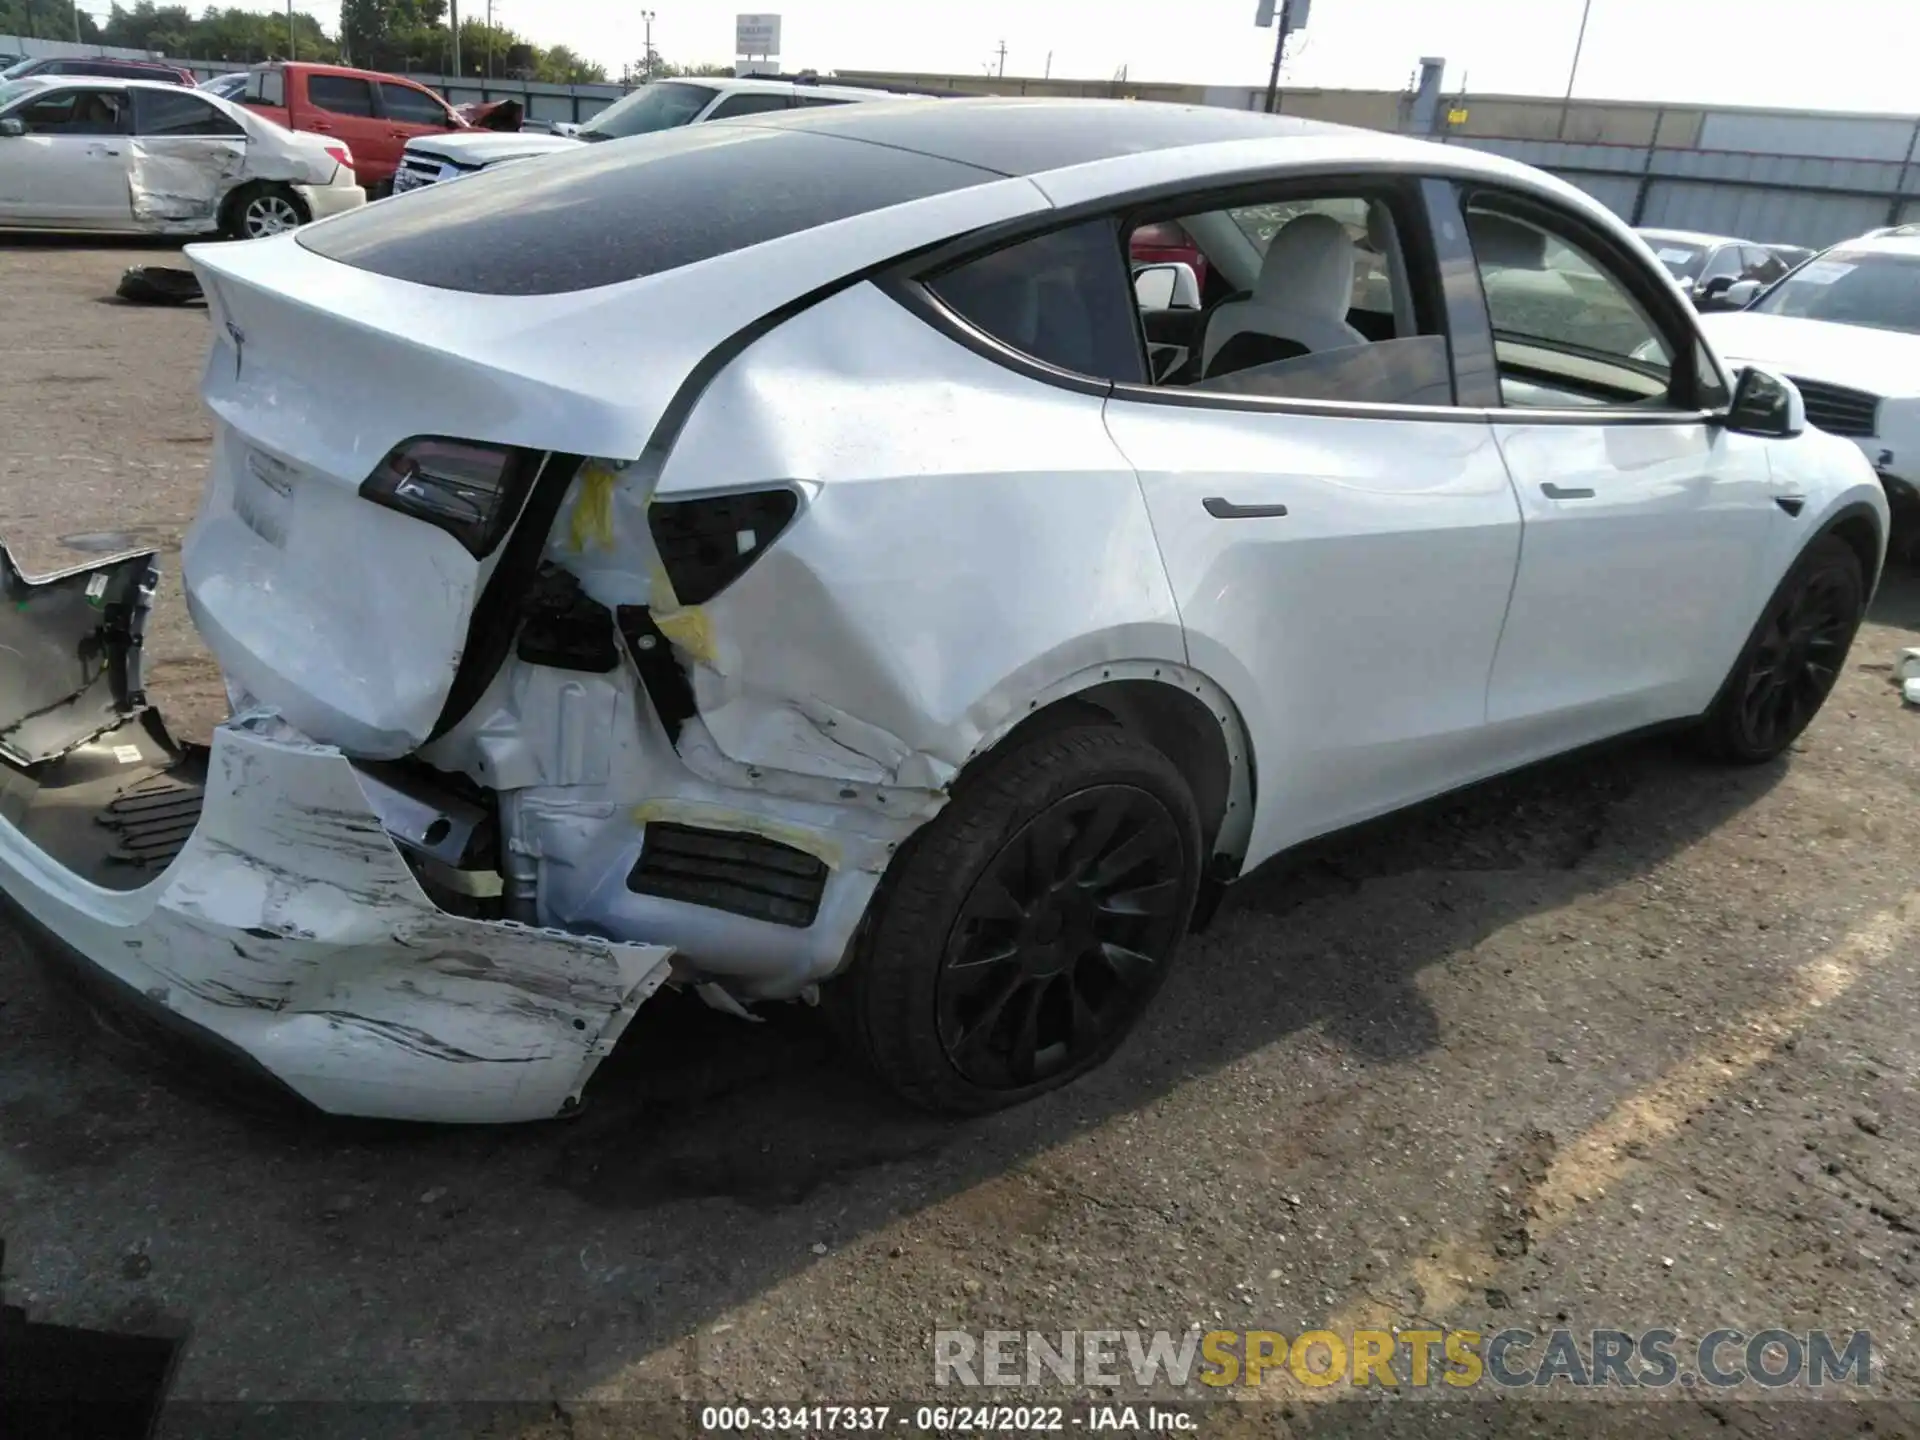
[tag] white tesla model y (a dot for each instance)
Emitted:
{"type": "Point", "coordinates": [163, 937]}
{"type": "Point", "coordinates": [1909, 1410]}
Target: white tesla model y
{"type": "Point", "coordinates": [804, 558]}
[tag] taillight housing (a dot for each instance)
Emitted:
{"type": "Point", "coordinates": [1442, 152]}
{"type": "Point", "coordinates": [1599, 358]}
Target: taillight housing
{"type": "Point", "coordinates": [705, 545]}
{"type": "Point", "coordinates": [342, 156]}
{"type": "Point", "coordinates": [471, 491]}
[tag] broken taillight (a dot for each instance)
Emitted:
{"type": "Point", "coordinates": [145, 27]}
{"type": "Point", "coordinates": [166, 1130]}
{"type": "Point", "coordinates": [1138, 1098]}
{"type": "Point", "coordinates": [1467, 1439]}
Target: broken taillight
{"type": "Point", "coordinates": [705, 545]}
{"type": "Point", "coordinates": [470, 491]}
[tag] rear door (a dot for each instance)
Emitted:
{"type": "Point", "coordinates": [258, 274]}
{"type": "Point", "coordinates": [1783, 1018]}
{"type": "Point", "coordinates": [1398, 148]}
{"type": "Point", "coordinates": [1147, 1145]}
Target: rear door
{"type": "Point", "coordinates": [1341, 536]}
{"type": "Point", "coordinates": [71, 167]}
{"type": "Point", "coordinates": [410, 111]}
{"type": "Point", "coordinates": [266, 92]}
{"type": "Point", "coordinates": [343, 106]}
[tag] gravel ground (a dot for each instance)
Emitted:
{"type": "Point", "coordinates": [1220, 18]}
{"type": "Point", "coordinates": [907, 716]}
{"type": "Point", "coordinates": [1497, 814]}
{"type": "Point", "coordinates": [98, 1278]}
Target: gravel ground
{"type": "Point", "coordinates": [1625, 1042]}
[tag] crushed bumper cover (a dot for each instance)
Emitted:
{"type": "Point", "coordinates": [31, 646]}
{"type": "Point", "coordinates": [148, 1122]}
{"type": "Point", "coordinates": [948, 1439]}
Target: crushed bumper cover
{"type": "Point", "coordinates": [290, 929]}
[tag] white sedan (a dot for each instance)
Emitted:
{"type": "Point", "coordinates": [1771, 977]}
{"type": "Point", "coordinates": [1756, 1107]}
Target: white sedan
{"type": "Point", "coordinates": [795, 559]}
{"type": "Point", "coordinates": [84, 153]}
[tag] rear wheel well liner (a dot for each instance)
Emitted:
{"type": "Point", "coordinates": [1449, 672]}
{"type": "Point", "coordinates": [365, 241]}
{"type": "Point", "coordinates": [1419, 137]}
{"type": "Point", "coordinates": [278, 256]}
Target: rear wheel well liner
{"type": "Point", "coordinates": [1182, 714]}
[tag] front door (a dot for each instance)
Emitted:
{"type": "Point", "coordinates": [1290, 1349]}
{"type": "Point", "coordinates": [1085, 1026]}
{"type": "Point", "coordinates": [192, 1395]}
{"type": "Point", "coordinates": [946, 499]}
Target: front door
{"type": "Point", "coordinates": [1644, 520]}
{"type": "Point", "coordinates": [70, 167]}
{"type": "Point", "coordinates": [409, 112]}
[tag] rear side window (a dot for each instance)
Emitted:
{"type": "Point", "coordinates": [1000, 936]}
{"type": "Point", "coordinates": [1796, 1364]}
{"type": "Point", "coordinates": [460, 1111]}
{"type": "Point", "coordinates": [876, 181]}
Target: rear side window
{"type": "Point", "coordinates": [607, 213]}
{"type": "Point", "coordinates": [156, 112]}
{"type": "Point", "coordinates": [342, 94]}
{"type": "Point", "coordinates": [806, 102]}
{"type": "Point", "coordinates": [1064, 298]}
{"type": "Point", "coordinates": [267, 87]}
{"type": "Point", "coordinates": [411, 106]}
{"type": "Point", "coordinates": [747, 105]}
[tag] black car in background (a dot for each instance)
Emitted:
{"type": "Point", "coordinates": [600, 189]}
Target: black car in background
{"type": "Point", "coordinates": [1708, 265]}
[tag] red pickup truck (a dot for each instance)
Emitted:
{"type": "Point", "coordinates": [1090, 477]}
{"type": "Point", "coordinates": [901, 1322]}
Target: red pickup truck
{"type": "Point", "coordinates": [374, 114]}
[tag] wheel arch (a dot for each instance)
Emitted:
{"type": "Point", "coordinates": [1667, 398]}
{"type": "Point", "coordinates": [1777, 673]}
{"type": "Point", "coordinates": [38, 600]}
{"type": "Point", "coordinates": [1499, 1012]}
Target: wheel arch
{"type": "Point", "coordinates": [1860, 526]}
{"type": "Point", "coordinates": [229, 213]}
{"type": "Point", "coordinates": [1182, 713]}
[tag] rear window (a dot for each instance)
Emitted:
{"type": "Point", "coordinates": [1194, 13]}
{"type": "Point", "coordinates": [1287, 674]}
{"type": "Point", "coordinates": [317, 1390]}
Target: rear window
{"type": "Point", "coordinates": [608, 213]}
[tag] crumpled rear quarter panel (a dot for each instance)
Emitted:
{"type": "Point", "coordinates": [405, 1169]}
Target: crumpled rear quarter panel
{"type": "Point", "coordinates": [970, 537]}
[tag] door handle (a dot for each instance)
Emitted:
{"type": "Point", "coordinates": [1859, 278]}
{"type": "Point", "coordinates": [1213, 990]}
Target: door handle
{"type": "Point", "coordinates": [1562, 492]}
{"type": "Point", "coordinates": [102, 150]}
{"type": "Point", "coordinates": [1226, 510]}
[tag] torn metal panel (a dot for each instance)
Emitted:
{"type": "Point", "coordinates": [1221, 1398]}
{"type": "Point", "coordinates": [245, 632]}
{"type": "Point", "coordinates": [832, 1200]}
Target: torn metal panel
{"type": "Point", "coordinates": [291, 928]}
{"type": "Point", "coordinates": [70, 651]}
{"type": "Point", "coordinates": [184, 179]}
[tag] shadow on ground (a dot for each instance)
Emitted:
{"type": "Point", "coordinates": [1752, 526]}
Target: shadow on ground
{"type": "Point", "coordinates": [712, 1152]}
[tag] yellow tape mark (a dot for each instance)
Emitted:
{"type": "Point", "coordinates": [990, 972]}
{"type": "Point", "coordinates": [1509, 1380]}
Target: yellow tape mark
{"type": "Point", "coordinates": [592, 525]}
{"type": "Point", "coordinates": [690, 629]}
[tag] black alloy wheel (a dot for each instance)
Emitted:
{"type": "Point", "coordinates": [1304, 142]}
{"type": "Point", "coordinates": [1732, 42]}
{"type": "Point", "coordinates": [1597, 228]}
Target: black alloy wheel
{"type": "Point", "coordinates": [1061, 941]}
{"type": "Point", "coordinates": [1793, 657]}
{"type": "Point", "coordinates": [1020, 933]}
{"type": "Point", "coordinates": [1798, 659]}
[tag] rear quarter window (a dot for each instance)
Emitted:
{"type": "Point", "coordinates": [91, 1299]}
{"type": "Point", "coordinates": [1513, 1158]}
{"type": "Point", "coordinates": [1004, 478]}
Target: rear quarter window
{"type": "Point", "coordinates": [613, 212]}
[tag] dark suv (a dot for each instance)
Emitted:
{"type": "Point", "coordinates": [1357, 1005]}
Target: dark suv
{"type": "Point", "coordinates": [99, 65]}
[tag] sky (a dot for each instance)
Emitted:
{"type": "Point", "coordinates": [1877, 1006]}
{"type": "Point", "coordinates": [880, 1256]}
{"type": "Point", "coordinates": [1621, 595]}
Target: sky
{"type": "Point", "coordinates": [1833, 55]}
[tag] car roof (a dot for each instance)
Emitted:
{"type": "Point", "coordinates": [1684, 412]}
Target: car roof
{"type": "Point", "coordinates": [316, 67]}
{"type": "Point", "coordinates": [106, 82]}
{"type": "Point", "coordinates": [1694, 237]}
{"type": "Point", "coordinates": [750, 181]}
{"type": "Point", "coordinates": [1011, 136]}
{"type": "Point", "coordinates": [1883, 244]}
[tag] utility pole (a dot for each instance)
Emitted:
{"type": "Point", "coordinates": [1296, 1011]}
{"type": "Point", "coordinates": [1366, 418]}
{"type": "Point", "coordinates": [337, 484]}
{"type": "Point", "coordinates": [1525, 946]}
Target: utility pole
{"type": "Point", "coordinates": [489, 39]}
{"type": "Point", "coordinates": [293, 46]}
{"type": "Point", "coordinates": [647, 17]}
{"type": "Point", "coordinates": [1574, 69]}
{"type": "Point", "coordinates": [1002, 72]}
{"type": "Point", "coordinates": [1279, 51]}
{"type": "Point", "coordinates": [456, 34]}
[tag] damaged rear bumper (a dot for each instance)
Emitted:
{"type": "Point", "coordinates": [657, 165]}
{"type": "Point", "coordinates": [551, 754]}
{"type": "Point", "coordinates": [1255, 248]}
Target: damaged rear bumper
{"type": "Point", "coordinates": [289, 928]}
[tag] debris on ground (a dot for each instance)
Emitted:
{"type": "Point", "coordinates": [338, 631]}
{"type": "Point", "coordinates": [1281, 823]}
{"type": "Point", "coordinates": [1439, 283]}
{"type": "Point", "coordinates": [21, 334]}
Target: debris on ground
{"type": "Point", "coordinates": [160, 285]}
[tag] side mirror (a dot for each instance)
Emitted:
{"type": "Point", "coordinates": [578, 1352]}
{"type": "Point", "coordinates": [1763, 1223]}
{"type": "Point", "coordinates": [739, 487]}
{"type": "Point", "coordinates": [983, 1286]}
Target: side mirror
{"type": "Point", "coordinates": [12, 129]}
{"type": "Point", "coordinates": [1766, 404]}
{"type": "Point", "coordinates": [1740, 294]}
{"type": "Point", "coordinates": [1716, 287]}
{"type": "Point", "coordinates": [1168, 286]}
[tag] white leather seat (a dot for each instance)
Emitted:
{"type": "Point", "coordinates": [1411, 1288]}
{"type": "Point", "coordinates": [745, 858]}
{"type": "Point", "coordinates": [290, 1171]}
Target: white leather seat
{"type": "Point", "coordinates": [1303, 294]}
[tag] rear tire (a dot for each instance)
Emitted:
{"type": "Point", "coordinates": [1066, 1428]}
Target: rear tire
{"type": "Point", "coordinates": [1792, 659]}
{"type": "Point", "coordinates": [1019, 936]}
{"type": "Point", "coordinates": [264, 209]}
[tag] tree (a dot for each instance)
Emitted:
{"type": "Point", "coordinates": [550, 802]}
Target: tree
{"type": "Point", "coordinates": [47, 20]}
{"type": "Point", "coordinates": [561, 66]}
